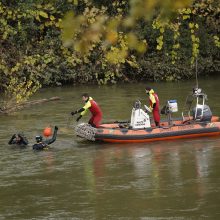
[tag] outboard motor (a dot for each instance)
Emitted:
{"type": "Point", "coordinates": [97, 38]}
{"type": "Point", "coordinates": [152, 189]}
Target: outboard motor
{"type": "Point", "coordinates": [202, 113]}
{"type": "Point", "coordinates": [139, 118]}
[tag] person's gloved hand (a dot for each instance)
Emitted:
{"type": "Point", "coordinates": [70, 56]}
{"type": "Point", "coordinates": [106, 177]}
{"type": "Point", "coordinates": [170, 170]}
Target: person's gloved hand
{"type": "Point", "coordinates": [56, 128]}
{"type": "Point", "coordinates": [151, 109]}
{"type": "Point", "coordinates": [79, 118]}
{"type": "Point", "coordinates": [73, 113]}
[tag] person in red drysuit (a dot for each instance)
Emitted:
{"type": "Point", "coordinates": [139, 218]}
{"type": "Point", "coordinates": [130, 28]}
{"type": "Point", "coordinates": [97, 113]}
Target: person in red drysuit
{"type": "Point", "coordinates": [154, 105]}
{"type": "Point", "coordinates": [93, 107]}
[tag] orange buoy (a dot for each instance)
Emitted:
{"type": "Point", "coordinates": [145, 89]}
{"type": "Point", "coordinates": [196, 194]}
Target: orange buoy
{"type": "Point", "coordinates": [47, 132]}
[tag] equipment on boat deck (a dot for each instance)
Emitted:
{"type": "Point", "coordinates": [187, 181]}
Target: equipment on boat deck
{"type": "Point", "coordinates": [168, 109]}
{"type": "Point", "coordinates": [139, 118]}
{"type": "Point", "coordinates": [173, 107]}
{"type": "Point", "coordinates": [200, 111]}
{"type": "Point", "coordinates": [86, 131]}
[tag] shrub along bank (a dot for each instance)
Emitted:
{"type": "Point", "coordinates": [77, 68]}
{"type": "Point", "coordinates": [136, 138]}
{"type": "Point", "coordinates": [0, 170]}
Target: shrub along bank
{"type": "Point", "coordinates": [35, 50]}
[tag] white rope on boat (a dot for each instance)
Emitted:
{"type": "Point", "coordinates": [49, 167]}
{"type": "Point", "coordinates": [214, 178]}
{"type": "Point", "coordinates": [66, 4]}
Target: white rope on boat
{"type": "Point", "coordinates": [85, 130]}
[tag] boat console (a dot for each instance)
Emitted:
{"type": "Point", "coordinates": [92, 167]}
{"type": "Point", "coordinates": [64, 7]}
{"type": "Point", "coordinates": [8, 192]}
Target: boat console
{"type": "Point", "coordinates": [139, 118]}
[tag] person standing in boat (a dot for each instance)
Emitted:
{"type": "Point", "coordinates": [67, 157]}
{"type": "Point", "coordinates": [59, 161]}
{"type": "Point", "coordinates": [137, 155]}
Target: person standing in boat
{"type": "Point", "coordinates": [93, 107]}
{"type": "Point", "coordinates": [154, 105]}
{"type": "Point", "coordinates": [43, 144]}
{"type": "Point", "coordinates": [18, 139]}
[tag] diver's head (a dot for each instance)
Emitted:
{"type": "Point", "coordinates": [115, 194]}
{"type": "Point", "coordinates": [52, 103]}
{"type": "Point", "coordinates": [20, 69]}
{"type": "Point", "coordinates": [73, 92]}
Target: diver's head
{"type": "Point", "coordinates": [18, 137]}
{"type": "Point", "coordinates": [39, 138]}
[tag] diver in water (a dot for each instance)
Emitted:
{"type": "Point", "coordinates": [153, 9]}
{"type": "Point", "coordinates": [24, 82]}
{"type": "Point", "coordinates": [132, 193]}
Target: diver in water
{"type": "Point", "coordinates": [18, 139]}
{"type": "Point", "coordinates": [43, 144]}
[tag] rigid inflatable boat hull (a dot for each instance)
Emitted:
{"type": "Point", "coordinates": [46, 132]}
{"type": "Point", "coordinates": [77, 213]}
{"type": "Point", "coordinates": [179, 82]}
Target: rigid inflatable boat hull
{"type": "Point", "coordinates": [123, 135]}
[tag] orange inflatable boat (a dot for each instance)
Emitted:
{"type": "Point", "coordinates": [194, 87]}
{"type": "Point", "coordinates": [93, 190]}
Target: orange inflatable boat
{"type": "Point", "coordinates": [114, 133]}
{"type": "Point", "coordinates": [141, 129]}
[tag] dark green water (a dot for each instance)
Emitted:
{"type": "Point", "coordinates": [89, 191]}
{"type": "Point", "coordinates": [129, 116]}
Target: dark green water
{"type": "Point", "coordinates": [83, 180]}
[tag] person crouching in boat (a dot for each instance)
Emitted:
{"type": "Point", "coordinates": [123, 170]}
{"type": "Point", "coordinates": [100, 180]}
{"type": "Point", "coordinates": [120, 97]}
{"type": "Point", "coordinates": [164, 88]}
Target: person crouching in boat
{"type": "Point", "coordinates": [154, 105]}
{"type": "Point", "coordinates": [18, 139]}
{"type": "Point", "coordinates": [93, 107]}
{"type": "Point", "coordinates": [43, 144]}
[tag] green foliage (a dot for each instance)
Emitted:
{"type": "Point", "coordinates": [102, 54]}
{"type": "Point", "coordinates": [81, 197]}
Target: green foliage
{"type": "Point", "coordinates": [59, 42]}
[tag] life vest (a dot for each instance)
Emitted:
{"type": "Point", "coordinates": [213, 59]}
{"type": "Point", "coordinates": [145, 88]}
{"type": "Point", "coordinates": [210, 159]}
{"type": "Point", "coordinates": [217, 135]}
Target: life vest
{"type": "Point", "coordinates": [92, 106]}
{"type": "Point", "coordinates": [153, 98]}
{"type": "Point", "coordinates": [94, 109]}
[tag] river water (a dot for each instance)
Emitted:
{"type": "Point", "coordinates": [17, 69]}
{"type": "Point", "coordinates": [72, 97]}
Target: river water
{"type": "Point", "coordinates": [77, 179]}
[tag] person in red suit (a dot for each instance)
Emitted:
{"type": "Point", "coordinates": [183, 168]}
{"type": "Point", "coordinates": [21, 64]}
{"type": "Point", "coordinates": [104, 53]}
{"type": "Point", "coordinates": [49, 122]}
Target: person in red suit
{"type": "Point", "coordinates": [154, 105]}
{"type": "Point", "coordinates": [93, 107]}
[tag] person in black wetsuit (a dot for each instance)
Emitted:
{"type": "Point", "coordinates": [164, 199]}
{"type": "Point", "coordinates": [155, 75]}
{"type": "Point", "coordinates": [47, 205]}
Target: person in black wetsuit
{"type": "Point", "coordinates": [18, 139]}
{"type": "Point", "coordinates": [43, 144]}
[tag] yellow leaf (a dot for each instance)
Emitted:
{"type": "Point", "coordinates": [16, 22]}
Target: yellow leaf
{"type": "Point", "coordinates": [193, 38]}
{"type": "Point", "coordinates": [43, 14]}
{"type": "Point", "coordinates": [132, 64]}
{"type": "Point", "coordinates": [159, 47]}
{"type": "Point", "coordinates": [52, 18]}
{"type": "Point", "coordinates": [141, 47]}
{"type": "Point", "coordinates": [5, 35]}
{"type": "Point", "coordinates": [161, 30]}
{"type": "Point", "coordinates": [185, 17]}
{"type": "Point", "coordinates": [191, 25]}
{"type": "Point", "coordinates": [188, 11]}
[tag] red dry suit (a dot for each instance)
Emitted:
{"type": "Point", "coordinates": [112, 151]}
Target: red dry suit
{"type": "Point", "coordinates": [154, 106]}
{"type": "Point", "coordinates": [95, 110]}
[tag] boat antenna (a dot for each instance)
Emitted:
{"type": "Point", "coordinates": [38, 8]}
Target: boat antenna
{"type": "Point", "coordinates": [197, 83]}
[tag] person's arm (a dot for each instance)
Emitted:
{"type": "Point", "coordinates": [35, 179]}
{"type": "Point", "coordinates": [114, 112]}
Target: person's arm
{"type": "Point", "coordinates": [11, 141]}
{"type": "Point", "coordinates": [50, 141]}
{"type": "Point", "coordinates": [23, 140]}
{"type": "Point", "coordinates": [77, 111]}
{"type": "Point", "coordinates": [82, 110]}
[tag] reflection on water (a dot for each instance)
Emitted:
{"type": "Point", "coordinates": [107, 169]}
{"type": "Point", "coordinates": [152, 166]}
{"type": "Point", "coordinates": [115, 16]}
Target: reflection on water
{"type": "Point", "coordinates": [81, 180]}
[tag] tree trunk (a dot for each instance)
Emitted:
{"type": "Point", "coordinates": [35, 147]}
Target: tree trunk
{"type": "Point", "coordinates": [19, 106]}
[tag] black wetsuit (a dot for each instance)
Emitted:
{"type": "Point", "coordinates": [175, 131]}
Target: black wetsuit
{"type": "Point", "coordinates": [44, 143]}
{"type": "Point", "coordinates": [22, 142]}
